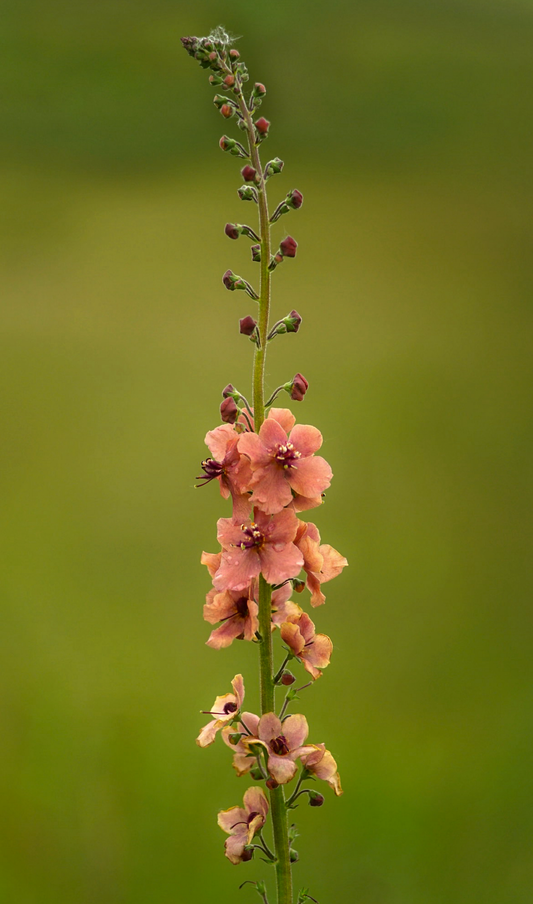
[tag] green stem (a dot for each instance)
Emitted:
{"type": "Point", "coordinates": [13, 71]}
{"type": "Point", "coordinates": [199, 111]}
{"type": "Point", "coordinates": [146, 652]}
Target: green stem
{"type": "Point", "coordinates": [277, 796]}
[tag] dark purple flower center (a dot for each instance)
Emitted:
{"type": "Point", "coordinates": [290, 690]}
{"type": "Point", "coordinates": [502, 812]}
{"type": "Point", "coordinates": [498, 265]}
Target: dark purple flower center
{"type": "Point", "coordinates": [279, 745]}
{"type": "Point", "coordinates": [287, 455]}
{"type": "Point", "coordinates": [211, 469]}
{"type": "Point", "coordinates": [252, 815]}
{"type": "Point", "coordinates": [230, 708]}
{"type": "Point", "coordinates": [253, 537]}
{"type": "Point", "coordinates": [242, 607]}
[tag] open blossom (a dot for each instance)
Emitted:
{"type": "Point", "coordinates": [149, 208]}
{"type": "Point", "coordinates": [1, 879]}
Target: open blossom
{"type": "Point", "coordinates": [284, 743]}
{"type": "Point", "coordinates": [282, 460]}
{"type": "Point", "coordinates": [242, 823]}
{"type": "Point", "coordinates": [320, 762]}
{"type": "Point", "coordinates": [263, 546]}
{"type": "Point", "coordinates": [229, 467]}
{"type": "Point", "coordinates": [242, 761]}
{"type": "Point", "coordinates": [322, 563]}
{"type": "Point", "coordinates": [236, 610]}
{"type": "Point", "coordinates": [224, 710]}
{"type": "Point", "coordinates": [313, 650]}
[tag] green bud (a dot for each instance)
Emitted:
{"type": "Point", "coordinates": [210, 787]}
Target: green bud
{"type": "Point", "coordinates": [294, 856]}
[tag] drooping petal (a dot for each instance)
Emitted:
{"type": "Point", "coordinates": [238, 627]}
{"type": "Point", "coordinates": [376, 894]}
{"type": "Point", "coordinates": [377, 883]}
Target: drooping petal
{"type": "Point", "coordinates": [212, 560]}
{"type": "Point", "coordinates": [304, 503]}
{"type": "Point", "coordinates": [333, 563]}
{"type": "Point", "coordinates": [311, 476]}
{"type": "Point", "coordinates": [306, 439]}
{"type": "Point", "coordinates": [208, 733]}
{"type": "Point", "coordinates": [237, 569]}
{"type": "Point", "coordinates": [283, 416]}
{"type": "Point", "coordinates": [278, 566]}
{"type": "Point", "coordinates": [225, 634]}
{"type": "Point", "coordinates": [238, 689]}
{"type": "Point", "coordinates": [255, 800]}
{"type": "Point", "coordinates": [218, 606]}
{"type": "Point", "coordinates": [234, 846]}
{"type": "Point", "coordinates": [281, 768]}
{"type": "Point", "coordinates": [319, 652]}
{"type": "Point", "coordinates": [313, 584]}
{"type": "Point", "coordinates": [290, 634]}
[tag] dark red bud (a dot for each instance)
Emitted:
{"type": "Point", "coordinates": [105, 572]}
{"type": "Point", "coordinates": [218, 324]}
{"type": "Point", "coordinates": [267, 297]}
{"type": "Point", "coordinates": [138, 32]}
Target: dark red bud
{"type": "Point", "coordinates": [316, 799]}
{"type": "Point", "coordinates": [232, 232]}
{"type": "Point", "coordinates": [256, 253]}
{"type": "Point", "coordinates": [293, 322]}
{"type": "Point", "coordinates": [228, 390]}
{"type": "Point", "coordinates": [229, 279]}
{"type": "Point", "coordinates": [295, 199]}
{"type": "Point", "coordinates": [298, 585]}
{"type": "Point", "coordinates": [247, 855]}
{"type": "Point", "coordinates": [229, 81]}
{"type": "Point", "coordinates": [287, 678]}
{"type": "Point", "coordinates": [247, 325]}
{"type": "Point", "coordinates": [228, 411]}
{"type": "Point", "coordinates": [248, 173]}
{"type": "Point", "coordinates": [271, 784]}
{"type": "Point", "coordinates": [259, 90]}
{"type": "Point", "coordinates": [227, 143]}
{"type": "Point", "coordinates": [262, 125]}
{"type": "Point", "coordinates": [227, 111]}
{"type": "Point", "coordinates": [299, 388]}
{"type": "Point", "coordinates": [288, 246]}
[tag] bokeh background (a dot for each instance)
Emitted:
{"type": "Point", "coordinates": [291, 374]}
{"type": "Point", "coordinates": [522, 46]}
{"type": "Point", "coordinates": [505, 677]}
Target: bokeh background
{"type": "Point", "coordinates": [407, 125]}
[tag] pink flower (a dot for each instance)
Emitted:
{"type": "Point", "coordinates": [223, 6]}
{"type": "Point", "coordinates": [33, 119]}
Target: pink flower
{"type": "Point", "coordinates": [224, 710]}
{"type": "Point", "coordinates": [241, 824]}
{"type": "Point", "coordinates": [313, 650]}
{"type": "Point", "coordinates": [237, 611]}
{"type": "Point", "coordinates": [320, 762]}
{"type": "Point", "coordinates": [284, 463]}
{"type": "Point", "coordinates": [322, 563]}
{"type": "Point", "coordinates": [231, 469]}
{"type": "Point", "coordinates": [283, 743]}
{"type": "Point", "coordinates": [263, 546]}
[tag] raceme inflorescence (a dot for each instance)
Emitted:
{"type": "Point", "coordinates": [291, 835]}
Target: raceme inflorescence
{"type": "Point", "coordinates": [268, 466]}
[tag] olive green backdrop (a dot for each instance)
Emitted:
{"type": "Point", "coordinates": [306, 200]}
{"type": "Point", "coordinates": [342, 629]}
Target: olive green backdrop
{"type": "Point", "coordinates": [407, 126]}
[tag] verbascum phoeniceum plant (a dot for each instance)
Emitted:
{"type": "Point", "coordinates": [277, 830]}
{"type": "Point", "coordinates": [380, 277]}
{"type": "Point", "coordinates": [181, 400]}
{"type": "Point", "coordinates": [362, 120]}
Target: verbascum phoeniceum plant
{"type": "Point", "coordinates": [267, 465]}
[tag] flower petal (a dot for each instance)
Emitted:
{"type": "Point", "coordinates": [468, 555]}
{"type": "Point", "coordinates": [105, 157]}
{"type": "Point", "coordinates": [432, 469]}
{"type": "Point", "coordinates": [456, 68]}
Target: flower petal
{"type": "Point", "coordinates": [311, 476]}
{"type": "Point", "coordinates": [269, 727]}
{"type": "Point", "coordinates": [217, 440]}
{"type": "Point", "coordinates": [280, 565]}
{"type": "Point", "coordinates": [237, 569]}
{"type": "Point", "coordinates": [281, 768]}
{"type": "Point", "coordinates": [230, 819]}
{"type": "Point", "coordinates": [238, 689]}
{"type": "Point", "coordinates": [255, 800]}
{"type": "Point", "coordinates": [296, 730]}
{"type": "Point", "coordinates": [306, 439]}
{"type": "Point", "coordinates": [283, 416]}
{"type": "Point", "coordinates": [272, 434]}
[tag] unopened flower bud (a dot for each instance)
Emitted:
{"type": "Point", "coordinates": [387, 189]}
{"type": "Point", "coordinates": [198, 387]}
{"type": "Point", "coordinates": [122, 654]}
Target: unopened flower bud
{"type": "Point", "coordinates": [227, 111]}
{"type": "Point", "coordinates": [287, 678]}
{"type": "Point", "coordinates": [315, 799]}
{"type": "Point", "coordinates": [215, 80]}
{"type": "Point", "coordinates": [298, 585]}
{"type": "Point", "coordinates": [227, 144]}
{"type": "Point", "coordinates": [271, 784]}
{"type": "Point", "coordinates": [288, 246]}
{"type": "Point", "coordinates": [256, 253]}
{"type": "Point", "coordinates": [247, 193]}
{"type": "Point", "coordinates": [259, 90]}
{"type": "Point", "coordinates": [247, 325]}
{"type": "Point", "coordinates": [232, 230]}
{"type": "Point", "coordinates": [229, 81]}
{"type": "Point", "coordinates": [262, 126]}
{"type": "Point", "coordinates": [292, 322]}
{"type": "Point", "coordinates": [248, 173]}
{"type": "Point", "coordinates": [213, 55]}
{"type": "Point", "coordinates": [299, 388]}
{"type": "Point", "coordinates": [273, 166]}
{"type": "Point", "coordinates": [234, 737]}
{"type": "Point", "coordinates": [256, 773]}
{"type": "Point", "coordinates": [229, 279]}
{"type": "Point", "coordinates": [295, 199]}
{"type": "Point", "coordinates": [247, 853]}
{"type": "Point", "coordinates": [294, 856]}
{"type": "Point", "coordinates": [234, 54]}
{"type": "Point", "coordinates": [219, 100]}
{"type": "Point", "coordinates": [229, 391]}
{"type": "Point", "coordinates": [228, 411]}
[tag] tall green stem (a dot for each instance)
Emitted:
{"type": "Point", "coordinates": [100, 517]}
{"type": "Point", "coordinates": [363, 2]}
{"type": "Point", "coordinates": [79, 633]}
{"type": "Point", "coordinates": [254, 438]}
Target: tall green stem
{"type": "Point", "coordinates": [277, 796]}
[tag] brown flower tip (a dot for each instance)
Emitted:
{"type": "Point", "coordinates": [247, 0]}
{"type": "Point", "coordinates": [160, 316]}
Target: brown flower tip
{"type": "Point", "coordinates": [287, 678]}
{"type": "Point", "coordinates": [271, 784]}
{"type": "Point", "coordinates": [316, 799]}
{"type": "Point", "coordinates": [228, 391]}
{"type": "Point", "coordinates": [232, 232]}
{"type": "Point", "coordinates": [295, 199]}
{"type": "Point", "coordinates": [247, 325]}
{"type": "Point", "coordinates": [228, 411]}
{"type": "Point", "coordinates": [248, 173]}
{"type": "Point", "coordinates": [299, 388]}
{"type": "Point", "coordinates": [288, 246]}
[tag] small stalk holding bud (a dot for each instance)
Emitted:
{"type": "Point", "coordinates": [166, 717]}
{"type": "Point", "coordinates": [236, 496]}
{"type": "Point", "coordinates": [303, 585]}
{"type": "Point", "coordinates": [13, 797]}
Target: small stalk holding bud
{"type": "Point", "coordinates": [269, 468]}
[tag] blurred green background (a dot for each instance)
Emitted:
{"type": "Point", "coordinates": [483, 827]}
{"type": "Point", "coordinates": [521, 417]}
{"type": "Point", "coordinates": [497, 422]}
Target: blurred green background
{"type": "Point", "coordinates": [407, 126]}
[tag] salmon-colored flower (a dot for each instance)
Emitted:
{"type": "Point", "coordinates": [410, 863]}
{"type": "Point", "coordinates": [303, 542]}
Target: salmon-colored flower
{"type": "Point", "coordinates": [283, 742]}
{"type": "Point", "coordinates": [237, 613]}
{"type": "Point", "coordinates": [263, 546]}
{"type": "Point", "coordinates": [282, 460]}
{"type": "Point", "coordinates": [313, 650]}
{"type": "Point", "coordinates": [224, 709]}
{"type": "Point", "coordinates": [229, 467]}
{"type": "Point", "coordinates": [243, 760]}
{"type": "Point", "coordinates": [322, 563]}
{"type": "Point", "coordinates": [320, 762]}
{"type": "Point", "coordinates": [242, 823]}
